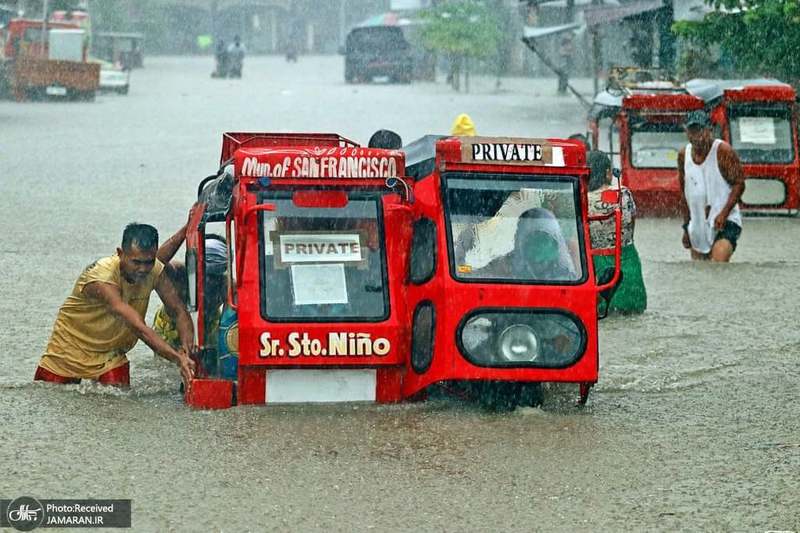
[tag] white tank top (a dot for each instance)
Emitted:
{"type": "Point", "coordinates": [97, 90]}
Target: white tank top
{"type": "Point", "coordinates": [704, 187]}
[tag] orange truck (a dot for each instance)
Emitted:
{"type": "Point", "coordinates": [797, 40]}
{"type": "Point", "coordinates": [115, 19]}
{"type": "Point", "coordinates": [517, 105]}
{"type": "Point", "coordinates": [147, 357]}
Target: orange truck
{"type": "Point", "coordinates": [36, 66]}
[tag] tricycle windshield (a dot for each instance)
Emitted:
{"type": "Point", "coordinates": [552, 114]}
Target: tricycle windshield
{"type": "Point", "coordinates": [656, 145]}
{"type": "Point", "coordinates": [323, 264]}
{"type": "Point", "coordinates": [509, 229]}
{"type": "Point", "coordinates": [762, 134]}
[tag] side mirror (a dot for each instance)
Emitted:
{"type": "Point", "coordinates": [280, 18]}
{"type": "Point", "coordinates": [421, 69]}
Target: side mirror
{"type": "Point", "coordinates": [191, 273]}
{"type": "Point", "coordinates": [616, 173]}
{"type": "Point", "coordinates": [608, 294]}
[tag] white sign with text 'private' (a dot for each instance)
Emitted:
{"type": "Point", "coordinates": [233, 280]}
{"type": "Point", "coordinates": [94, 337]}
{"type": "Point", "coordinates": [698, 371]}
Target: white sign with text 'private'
{"type": "Point", "coordinates": [320, 248]}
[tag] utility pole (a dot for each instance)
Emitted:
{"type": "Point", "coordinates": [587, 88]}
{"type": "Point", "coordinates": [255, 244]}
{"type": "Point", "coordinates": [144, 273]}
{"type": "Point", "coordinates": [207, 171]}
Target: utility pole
{"type": "Point", "coordinates": [45, 9]}
{"type": "Point", "coordinates": [504, 47]}
{"type": "Point", "coordinates": [342, 22]}
{"type": "Point", "coordinates": [566, 51]}
{"type": "Point", "coordinates": [597, 52]}
{"type": "Point", "coordinates": [213, 13]}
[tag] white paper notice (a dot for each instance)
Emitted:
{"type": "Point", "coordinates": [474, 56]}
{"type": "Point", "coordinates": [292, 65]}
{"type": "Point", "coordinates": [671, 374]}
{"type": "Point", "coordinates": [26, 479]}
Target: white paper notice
{"type": "Point", "coordinates": [320, 248]}
{"type": "Point", "coordinates": [319, 284]}
{"type": "Point", "coordinates": [269, 226]}
{"type": "Point", "coordinates": [757, 130]}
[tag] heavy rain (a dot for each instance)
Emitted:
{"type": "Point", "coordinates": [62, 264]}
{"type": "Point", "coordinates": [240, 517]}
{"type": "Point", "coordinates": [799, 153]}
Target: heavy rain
{"type": "Point", "coordinates": [114, 112]}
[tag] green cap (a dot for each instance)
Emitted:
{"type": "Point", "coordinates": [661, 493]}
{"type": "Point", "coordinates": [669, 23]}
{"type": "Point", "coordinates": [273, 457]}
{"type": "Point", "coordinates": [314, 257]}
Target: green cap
{"type": "Point", "coordinates": [698, 118]}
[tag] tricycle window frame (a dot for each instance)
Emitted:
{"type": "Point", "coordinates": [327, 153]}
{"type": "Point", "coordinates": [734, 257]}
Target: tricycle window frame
{"type": "Point", "coordinates": [352, 194]}
{"type": "Point", "coordinates": [774, 110]}
{"type": "Point", "coordinates": [608, 129]}
{"type": "Point", "coordinates": [522, 177]}
{"type": "Point", "coordinates": [679, 127]}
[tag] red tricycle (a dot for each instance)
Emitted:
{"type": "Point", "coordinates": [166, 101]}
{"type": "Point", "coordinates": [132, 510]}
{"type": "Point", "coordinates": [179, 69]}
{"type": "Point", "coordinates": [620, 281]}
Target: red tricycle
{"type": "Point", "coordinates": [641, 124]}
{"type": "Point", "coordinates": [365, 274]}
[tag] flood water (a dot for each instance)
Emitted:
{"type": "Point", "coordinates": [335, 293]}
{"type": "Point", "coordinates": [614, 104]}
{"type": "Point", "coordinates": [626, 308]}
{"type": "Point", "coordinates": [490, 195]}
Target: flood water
{"type": "Point", "coordinates": [694, 424]}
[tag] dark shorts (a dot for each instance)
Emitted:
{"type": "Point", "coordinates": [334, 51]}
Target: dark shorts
{"type": "Point", "coordinates": [730, 232]}
{"type": "Point", "coordinates": [119, 377]}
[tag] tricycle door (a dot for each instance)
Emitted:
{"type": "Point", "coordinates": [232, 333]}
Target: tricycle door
{"type": "Point", "coordinates": [608, 139]}
{"type": "Point", "coordinates": [207, 262]}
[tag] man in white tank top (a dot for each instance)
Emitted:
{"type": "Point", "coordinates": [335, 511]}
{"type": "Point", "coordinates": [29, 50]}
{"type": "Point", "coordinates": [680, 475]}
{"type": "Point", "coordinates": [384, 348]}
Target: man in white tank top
{"type": "Point", "coordinates": [712, 181]}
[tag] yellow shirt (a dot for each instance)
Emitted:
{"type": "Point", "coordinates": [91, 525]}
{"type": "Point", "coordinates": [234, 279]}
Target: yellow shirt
{"type": "Point", "coordinates": [167, 329]}
{"type": "Point", "coordinates": [88, 340]}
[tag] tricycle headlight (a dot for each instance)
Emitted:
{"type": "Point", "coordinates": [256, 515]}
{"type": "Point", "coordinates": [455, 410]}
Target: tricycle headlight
{"type": "Point", "coordinates": [518, 344]}
{"type": "Point", "coordinates": [542, 338]}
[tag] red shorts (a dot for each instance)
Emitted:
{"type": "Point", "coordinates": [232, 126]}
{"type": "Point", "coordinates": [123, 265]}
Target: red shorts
{"type": "Point", "coordinates": [119, 377]}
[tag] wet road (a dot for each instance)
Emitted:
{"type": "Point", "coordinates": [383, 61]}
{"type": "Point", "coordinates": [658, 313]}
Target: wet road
{"type": "Point", "coordinates": [694, 424]}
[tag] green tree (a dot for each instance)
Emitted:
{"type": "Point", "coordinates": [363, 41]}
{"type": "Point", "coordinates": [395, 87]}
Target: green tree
{"type": "Point", "coordinates": [462, 30]}
{"type": "Point", "coordinates": [760, 36]}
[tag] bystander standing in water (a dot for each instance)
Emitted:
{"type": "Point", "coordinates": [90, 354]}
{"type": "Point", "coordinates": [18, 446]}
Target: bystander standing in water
{"type": "Point", "coordinates": [712, 182]}
{"type": "Point", "coordinates": [221, 56]}
{"type": "Point", "coordinates": [631, 296]}
{"type": "Point", "coordinates": [236, 53]}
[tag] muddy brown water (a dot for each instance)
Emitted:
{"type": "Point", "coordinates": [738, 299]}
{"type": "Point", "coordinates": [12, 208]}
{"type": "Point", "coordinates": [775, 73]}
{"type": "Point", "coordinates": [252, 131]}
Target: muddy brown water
{"type": "Point", "coordinates": [694, 424]}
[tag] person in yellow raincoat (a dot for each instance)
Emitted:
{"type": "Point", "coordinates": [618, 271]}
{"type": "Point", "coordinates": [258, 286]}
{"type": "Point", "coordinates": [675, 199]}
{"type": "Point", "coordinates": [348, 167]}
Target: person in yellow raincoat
{"type": "Point", "coordinates": [463, 126]}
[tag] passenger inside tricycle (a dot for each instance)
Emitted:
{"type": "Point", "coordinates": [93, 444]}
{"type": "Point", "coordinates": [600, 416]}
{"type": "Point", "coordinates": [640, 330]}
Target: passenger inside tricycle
{"type": "Point", "coordinates": [516, 231]}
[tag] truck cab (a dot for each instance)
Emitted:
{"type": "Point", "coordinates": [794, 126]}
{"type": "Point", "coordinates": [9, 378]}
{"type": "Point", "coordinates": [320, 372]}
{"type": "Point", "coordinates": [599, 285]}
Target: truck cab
{"type": "Point", "coordinates": [52, 64]}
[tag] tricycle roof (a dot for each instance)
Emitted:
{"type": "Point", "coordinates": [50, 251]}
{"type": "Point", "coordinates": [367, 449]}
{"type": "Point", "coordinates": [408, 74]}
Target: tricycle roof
{"type": "Point", "coordinates": [492, 151]}
{"type": "Point", "coordinates": [759, 89]}
{"type": "Point", "coordinates": [694, 94]}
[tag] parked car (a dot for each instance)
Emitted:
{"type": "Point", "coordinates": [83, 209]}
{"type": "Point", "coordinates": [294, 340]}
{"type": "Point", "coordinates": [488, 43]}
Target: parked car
{"type": "Point", "coordinates": [114, 78]}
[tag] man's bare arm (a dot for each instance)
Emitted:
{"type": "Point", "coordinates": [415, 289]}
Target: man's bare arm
{"type": "Point", "coordinates": [110, 294]}
{"type": "Point", "coordinates": [731, 169]}
{"type": "Point", "coordinates": [176, 309]}
{"type": "Point", "coordinates": [171, 246]}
